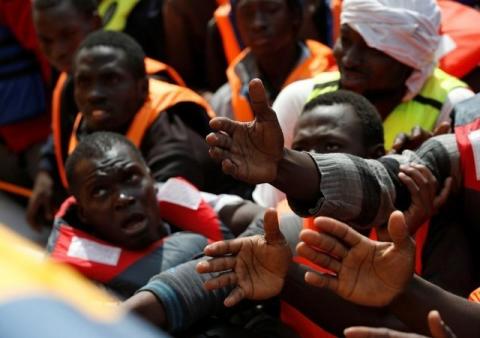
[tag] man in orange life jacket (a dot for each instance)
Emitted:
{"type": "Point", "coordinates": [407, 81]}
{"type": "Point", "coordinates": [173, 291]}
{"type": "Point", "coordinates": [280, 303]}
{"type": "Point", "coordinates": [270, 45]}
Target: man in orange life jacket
{"type": "Point", "coordinates": [275, 54]}
{"type": "Point", "coordinates": [117, 228]}
{"type": "Point", "coordinates": [61, 26]}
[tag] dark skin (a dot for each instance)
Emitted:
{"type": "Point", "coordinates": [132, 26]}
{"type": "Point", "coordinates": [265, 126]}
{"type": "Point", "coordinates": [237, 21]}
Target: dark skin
{"type": "Point", "coordinates": [333, 129]}
{"type": "Point", "coordinates": [107, 92]}
{"type": "Point", "coordinates": [378, 77]}
{"type": "Point", "coordinates": [60, 30]}
{"type": "Point", "coordinates": [254, 152]}
{"type": "Point", "coordinates": [116, 199]}
{"type": "Point", "coordinates": [270, 28]}
{"type": "Point", "coordinates": [370, 72]}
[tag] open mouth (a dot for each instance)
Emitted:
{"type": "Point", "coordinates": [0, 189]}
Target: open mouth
{"type": "Point", "coordinates": [134, 225]}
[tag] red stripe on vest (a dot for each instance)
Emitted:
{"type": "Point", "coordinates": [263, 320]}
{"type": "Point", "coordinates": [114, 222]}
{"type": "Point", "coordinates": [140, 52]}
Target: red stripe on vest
{"type": "Point", "coordinates": [202, 220]}
{"type": "Point", "coordinates": [302, 325]}
{"type": "Point", "coordinates": [93, 270]}
{"type": "Point", "coordinates": [467, 159]}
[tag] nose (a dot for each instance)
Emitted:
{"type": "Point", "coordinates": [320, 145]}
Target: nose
{"type": "Point", "coordinates": [352, 57]}
{"type": "Point", "coordinates": [259, 22]}
{"type": "Point", "coordinates": [124, 200]}
{"type": "Point", "coordinates": [95, 94]}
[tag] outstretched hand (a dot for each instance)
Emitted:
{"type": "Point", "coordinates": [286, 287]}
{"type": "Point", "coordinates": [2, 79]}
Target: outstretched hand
{"type": "Point", "coordinates": [256, 265]}
{"type": "Point", "coordinates": [366, 272]}
{"type": "Point", "coordinates": [438, 329]}
{"type": "Point", "coordinates": [249, 151]}
{"type": "Point", "coordinates": [423, 187]}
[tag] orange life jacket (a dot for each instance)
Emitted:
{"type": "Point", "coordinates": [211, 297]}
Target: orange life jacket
{"type": "Point", "coordinates": [231, 45]}
{"type": "Point", "coordinates": [152, 67]}
{"type": "Point", "coordinates": [161, 96]}
{"type": "Point", "coordinates": [320, 60]}
{"type": "Point", "coordinates": [460, 23]}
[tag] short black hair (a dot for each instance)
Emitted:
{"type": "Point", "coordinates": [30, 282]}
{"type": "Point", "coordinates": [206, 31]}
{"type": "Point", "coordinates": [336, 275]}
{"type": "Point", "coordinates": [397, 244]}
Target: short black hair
{"type": "Point", "coordinates": [135, 56]}
{"type": "Point", "coordinates": [294, 5]}
{"type": "Point", "coordinates": [95, 145]}
{"type": "Point", "coordinates": [86, 7]}
{"type": "Point", "coordinates": [372, 127]}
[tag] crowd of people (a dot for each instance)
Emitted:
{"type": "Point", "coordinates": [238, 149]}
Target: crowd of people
{"type": "Point", "coordinates": [241, 168]}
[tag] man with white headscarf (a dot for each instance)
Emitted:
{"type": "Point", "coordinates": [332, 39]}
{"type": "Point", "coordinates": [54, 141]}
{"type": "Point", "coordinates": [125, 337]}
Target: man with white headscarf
{"type": "Point", "coordinates": [387, 51]}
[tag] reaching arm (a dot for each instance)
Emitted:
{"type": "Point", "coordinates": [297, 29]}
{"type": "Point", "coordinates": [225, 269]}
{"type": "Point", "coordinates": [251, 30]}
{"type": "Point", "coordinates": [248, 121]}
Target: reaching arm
{"type": "Point", "coordinates": [358, 191]}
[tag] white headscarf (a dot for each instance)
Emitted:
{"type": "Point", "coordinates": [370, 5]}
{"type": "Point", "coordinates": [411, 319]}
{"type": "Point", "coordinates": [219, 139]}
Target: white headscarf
{"type": "Point", "coordinates": [406, 30]}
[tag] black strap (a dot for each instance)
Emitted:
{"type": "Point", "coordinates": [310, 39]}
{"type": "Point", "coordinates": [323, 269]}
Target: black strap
{"type": "Point", "coordinates": [325, 84]}
{"type": "Point", "coordinates": [428, 101]}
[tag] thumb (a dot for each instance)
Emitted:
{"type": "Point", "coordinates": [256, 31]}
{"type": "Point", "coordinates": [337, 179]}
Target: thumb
{"type": "Point", "coordinates": [443, 128]}
{"type": "Point", "coordinates": [259, 102]}
{"type": "Point", "coordinates": [273, 235]}
{"type": "Point", "coordinates": [438, 328]}
{"type": "Point", "coordinates": [398, 231]}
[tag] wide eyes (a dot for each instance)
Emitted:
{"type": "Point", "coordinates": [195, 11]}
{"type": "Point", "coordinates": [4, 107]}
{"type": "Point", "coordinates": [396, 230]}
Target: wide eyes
{"type": "Point", "coordinates": [133, 178]}
{"type": "Point", "coordinates": [99, 192]}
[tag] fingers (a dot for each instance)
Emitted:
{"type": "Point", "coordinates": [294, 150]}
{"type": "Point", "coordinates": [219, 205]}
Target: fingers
{"type": "Point", "coordinates": [399, 142]}
{"type": "Point", "coordinates": [234, 297]}
{"type": "Point", "coordinates": [222, 248]}
{"type": "Point", "coordinates": [370, 332]}
{"type": "Point", "coordinates": [320, 241]}
{"type": "Point", "coordinates": [438, 328]}
{"type": "Point", "coordinates": [216, 264]}
{"type": "Point", "coordinates": [273, 235]}
{"type": "Point", "coordinates": [221, 281]}
{"type": "Point", "coordinates": [224, 124]}
{"type": "Point", "coordinates": [219, 139]}
{"type": "Point", "coordinates": [440, 200]}
{"type": "Point", "coordinates": [259, 102]}
{"type": "Point", "coordinates": [443, 128]}
{"type": "Point", "coordinates": [338, 229]}
{"type": "Point", "coordinates": [318, 257]}
{"type": "Point", "coordinates": [321, 280]}
{"type": "Point", "coordinates": [398, 230]}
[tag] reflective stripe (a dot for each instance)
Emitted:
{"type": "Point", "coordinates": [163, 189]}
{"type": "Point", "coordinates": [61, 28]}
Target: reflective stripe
{"type": "Point", "coordinates": [422, 111]}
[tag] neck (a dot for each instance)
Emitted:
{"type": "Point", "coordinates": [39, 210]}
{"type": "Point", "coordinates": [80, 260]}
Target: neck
{"type": "Point", "coordinates": [385, 102]}
{"type": "Point", "coordinates": [276, 68]}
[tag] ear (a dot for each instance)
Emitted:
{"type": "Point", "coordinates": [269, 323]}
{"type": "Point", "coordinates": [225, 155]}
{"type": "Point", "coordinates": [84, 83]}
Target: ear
{"type": "Point", "coordinates": [376, 151]}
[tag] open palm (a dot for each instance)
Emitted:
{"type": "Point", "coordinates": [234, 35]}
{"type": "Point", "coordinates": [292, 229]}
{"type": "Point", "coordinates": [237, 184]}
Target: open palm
{"type": "Point", "coordinates": [256, 265]}
{"type": "Point", "coordinates": [365, 272]}
{"type": "Point", "coordinates": [249, 151]}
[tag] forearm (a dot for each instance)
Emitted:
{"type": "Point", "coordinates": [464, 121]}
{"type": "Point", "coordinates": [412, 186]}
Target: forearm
{"type": "Point", "coordinates": [298, 176]}
{"type": "Point", "coordinates": [420, 297]}
{"type": "Point", "coordinates": [330, 311]}
{"type": "Point", "coordinates": [183, 296]}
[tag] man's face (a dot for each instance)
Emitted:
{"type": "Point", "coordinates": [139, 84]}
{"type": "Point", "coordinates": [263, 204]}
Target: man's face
{"type": "Point", "coordinates": [266, 26]}
{"type": "Point", "coordinates": [60, 30]}
{"type": "Point", "coordinates": [116, 198]}
{"type": "Point", "coordinates": [366, 70]}
{"type": "Point", "coordinates": [330, 129]}
{"type": "Point", "coordinates": [107, 93]}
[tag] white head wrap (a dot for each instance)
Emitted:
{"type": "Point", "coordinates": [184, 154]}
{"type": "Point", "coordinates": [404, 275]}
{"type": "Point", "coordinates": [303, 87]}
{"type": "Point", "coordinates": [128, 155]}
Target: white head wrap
{"type": "Point", "coordinates": [406, 30]}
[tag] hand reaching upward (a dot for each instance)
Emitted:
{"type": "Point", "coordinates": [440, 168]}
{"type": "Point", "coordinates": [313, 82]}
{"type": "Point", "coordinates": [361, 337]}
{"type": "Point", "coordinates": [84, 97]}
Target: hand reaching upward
{"type": "Point", "coordinates": [257, 265]}
{"type": "Point", "coordinates": [249, 151]}
{"type": "Point", "coordinates": [366, 272]}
